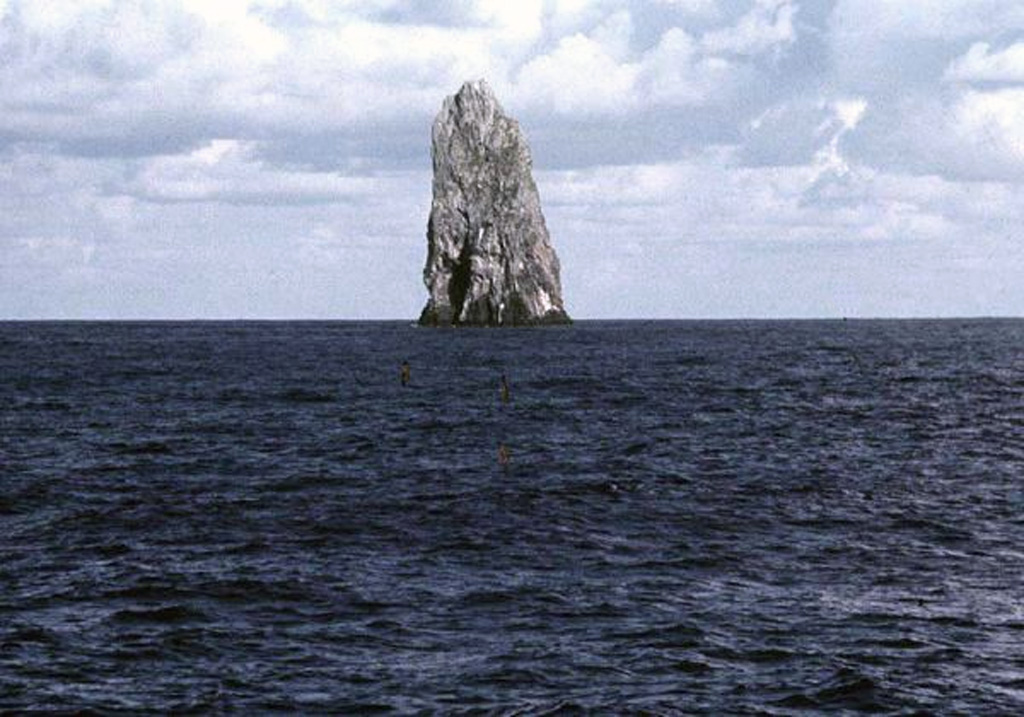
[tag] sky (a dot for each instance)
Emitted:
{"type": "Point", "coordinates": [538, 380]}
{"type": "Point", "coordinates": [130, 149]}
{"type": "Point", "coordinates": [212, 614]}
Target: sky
{"type": "Point", "coordinates": [179, 159]}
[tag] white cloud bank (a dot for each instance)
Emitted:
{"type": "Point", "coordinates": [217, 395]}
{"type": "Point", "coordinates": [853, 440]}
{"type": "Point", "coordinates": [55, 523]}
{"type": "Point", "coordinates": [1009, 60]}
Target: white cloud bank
{"type": "Point", "coordinates": [979, 64]}
{"type": "Point", "coordinates": [230, 171]}
{"type": "Point", "coordinates": [104, 69]}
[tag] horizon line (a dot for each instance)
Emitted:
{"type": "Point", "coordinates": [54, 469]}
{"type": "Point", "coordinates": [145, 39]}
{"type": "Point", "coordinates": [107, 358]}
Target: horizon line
{"type": "Point", "coordinates": [411, 321]}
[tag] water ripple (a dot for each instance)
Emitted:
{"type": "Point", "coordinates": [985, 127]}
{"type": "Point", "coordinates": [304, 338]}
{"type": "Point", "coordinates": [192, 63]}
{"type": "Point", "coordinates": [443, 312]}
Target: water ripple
{"type": "Point", "coordinates": [696, 517]}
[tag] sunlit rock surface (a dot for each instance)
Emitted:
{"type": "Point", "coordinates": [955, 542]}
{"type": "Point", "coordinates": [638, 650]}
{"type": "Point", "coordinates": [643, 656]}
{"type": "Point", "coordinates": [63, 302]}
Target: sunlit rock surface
{"type": "Point", "coordinates": [489, 258]}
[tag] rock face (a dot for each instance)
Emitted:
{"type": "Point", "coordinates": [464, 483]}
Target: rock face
{"type": "Point", "coordinates": [489, 258]}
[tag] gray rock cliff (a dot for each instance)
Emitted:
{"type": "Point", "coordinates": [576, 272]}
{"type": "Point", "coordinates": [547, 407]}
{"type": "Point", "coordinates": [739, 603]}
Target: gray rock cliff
{"type": "Point", "coordinates": [489, 257]}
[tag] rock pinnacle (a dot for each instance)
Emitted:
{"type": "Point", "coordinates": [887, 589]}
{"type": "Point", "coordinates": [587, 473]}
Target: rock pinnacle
{"type": "Point", "coordinates": [489, 257]}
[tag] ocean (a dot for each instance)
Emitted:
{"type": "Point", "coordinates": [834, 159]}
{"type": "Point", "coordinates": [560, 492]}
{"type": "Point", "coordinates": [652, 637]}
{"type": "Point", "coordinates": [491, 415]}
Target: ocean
{"type": "Point", "coordinates": [734, 517]}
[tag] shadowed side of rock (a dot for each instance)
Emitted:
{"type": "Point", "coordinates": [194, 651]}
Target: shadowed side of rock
{"type": "Point", "coordinates": [489, 257]}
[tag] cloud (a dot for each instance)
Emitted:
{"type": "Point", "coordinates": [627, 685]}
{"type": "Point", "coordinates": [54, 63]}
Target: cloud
{"type": "Point", "coordinates": [177, 73]}
{"type": "Point", "coordinates": [896, 48]}
{"type": "Point", "coordinates": [939, 83]}
{"type": "Point", "coordinates": [75, 244]}
{"type": "Point", "coordinates": [961, 134]}
{"type": "Point", "coordinates": [801, 131]}
{"type": "Point", "coordinates": [831, 166]}
{"type": "Point", "coordinates": [675, 73]}
{"type": "Point", "coordinates": [99, 69]}
{"type": "Point", "coordinates": [981, 65]}
{"type": "Point", "coordinates": [45, 195]}
{"type": "Point", "coordinates": [993, 123]}
{"type": "Point", "coordinates": [768, 26]}
{"type": "Point", "coordinates": [110, 78]}
{"type": "Point", "coordinates": [706, 8]}
{"type": "Point", "coordinates": [711, 197]}
{"type": "Point", "coordinates": [583, 73]}
{"type": "Point", "coordinates": [230, 171]}
{"type": "Point", "coordinates": [877, 20]}
{"type": "Point", "coordinates": [688, 237]}
{"type": "Point", "coordinates": [521, 19]}
{"type": "Point", "coordinates": [599, 72]}
{"type": "Point", "coordinates": [56, 251]}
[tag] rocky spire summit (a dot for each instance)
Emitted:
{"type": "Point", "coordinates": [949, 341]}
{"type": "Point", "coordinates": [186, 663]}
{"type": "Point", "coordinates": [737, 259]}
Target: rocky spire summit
{"type": "Point", "coordinates": [489, 258]}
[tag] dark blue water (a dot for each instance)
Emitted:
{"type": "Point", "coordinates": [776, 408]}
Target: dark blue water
{"type": "Point", "coordinates": [696, 517]}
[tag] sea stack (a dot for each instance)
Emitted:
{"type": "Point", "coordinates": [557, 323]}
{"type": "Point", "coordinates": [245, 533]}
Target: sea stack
{"type": "Point", "coordinates": [489, 257]}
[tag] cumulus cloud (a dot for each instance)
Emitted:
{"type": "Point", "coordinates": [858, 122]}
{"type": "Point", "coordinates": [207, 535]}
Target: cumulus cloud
{"type": "Point", "coordinates": [75, 72]}
{"type": "Point", "coordinates": [521, 19]}
{"type": "Point", "coordinates": [709, 197]}
{"type": "Point", "coordinates": [903, 47]}
{"type": "Point", "coordinates": [831, 166]}
{"type": "Point", "coordinates": [749, 239]}
{"type": "Point", "coordinates": [599, 72]}
{"type": "Point", "coordinates": [981, 65]}
{"type": "Point", "coordinates": [940, 84]}
{"type": "Point", "coordinates": [675, 73]}
{"type": "Point", "coordinates": [583, 72]}
{"type": "Point", "coordinates": [231, 171]}
{"type": "Point", "coordinates": [768, 26]}
{"type": "Point", "coordinates": [802, 131]}
{"type": "Point", "coordinates": [993, 122]}
{"type": "Point", "coordinates": [101, 69]}
{"type": "Point", "coordinates": [109, 77]}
